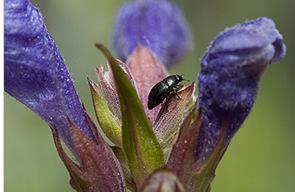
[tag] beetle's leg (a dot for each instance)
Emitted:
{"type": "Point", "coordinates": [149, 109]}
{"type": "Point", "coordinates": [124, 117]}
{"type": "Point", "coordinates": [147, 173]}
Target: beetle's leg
{"type": "Point", "coordinates": [175, 89]}
{"type": "Point", "coordinates": [178, 97]}
{"type": "Point", "coordinates": [176, 94]}
{"type": "Point", "coordinates": [178, 86]}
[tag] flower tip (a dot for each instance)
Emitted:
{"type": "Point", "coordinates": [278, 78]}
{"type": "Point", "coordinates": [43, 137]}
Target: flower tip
{"type": "Point", "coordinates": [88, 79]}
{"type": "Point", "coordinates": [100, 47]}
{"type": "Point", "coordinates": [90, 82]}
{"type": "Point", "coordinates": [92, 86]}
{"type": "Point", "coordinates": [277, 42]}
{"type": "Point", "coordinates": [104, 51]}
{"type": "Point", "coordinates": [253, 41]}
{"type": "Point", "coordinates": [281, 50]}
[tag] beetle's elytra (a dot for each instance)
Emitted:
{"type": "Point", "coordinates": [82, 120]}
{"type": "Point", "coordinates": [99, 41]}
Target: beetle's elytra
{"type": "Point", "coordinates": [163, 90]}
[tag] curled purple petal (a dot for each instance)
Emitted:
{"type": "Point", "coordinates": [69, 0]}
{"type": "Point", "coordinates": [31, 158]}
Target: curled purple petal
{"type": "Point", "coordinates": [35, 73]}
{"type": "Point", "coordinates": [228, 81]}
{"type": "Point", "coordinates": [156, 24]}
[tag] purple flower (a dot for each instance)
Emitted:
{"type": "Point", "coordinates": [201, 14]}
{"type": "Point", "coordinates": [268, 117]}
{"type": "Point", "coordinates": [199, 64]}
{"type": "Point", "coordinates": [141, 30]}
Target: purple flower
{"type": "Point", "coordinates": [187, 139]}
{"type": "Point", "coordinates": [156, 24]}
{"type": "Point", "coordinates": [35, 73]}
{"type": "Point", "coordinates": [228, 81]}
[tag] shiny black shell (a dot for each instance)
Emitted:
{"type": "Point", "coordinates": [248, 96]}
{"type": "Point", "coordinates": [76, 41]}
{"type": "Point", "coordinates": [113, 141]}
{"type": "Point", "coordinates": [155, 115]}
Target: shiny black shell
{"type": "Point", "coordinates": [163, 89]}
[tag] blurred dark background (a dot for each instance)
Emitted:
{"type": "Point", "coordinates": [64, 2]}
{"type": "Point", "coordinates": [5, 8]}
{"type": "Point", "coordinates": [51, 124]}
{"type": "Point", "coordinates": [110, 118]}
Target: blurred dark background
{"type": "Point", "coordinates": [260, 158]}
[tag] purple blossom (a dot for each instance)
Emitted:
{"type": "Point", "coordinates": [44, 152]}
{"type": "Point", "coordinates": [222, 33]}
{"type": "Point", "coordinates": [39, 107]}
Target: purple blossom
{"type": "Point", "coordinates": [147, 32]}
{"type": "Point", "coordinates": [156, 24]}
{"type": "Point", "coordinates": [228, 81]}
{"type": "Point", "coordinates": [35, 73]}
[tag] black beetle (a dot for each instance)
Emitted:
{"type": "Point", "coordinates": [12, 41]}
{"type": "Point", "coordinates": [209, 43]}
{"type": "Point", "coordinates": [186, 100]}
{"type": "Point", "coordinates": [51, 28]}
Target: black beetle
{"type": "Point", "coordinates": [163, 90]}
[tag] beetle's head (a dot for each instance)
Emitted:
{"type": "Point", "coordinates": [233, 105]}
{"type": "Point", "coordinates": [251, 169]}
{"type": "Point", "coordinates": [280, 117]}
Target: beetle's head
{"type": "Point", "coordinates": [179, 78]}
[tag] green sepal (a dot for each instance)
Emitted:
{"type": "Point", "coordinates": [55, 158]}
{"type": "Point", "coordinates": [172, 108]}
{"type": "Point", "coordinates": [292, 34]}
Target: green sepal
{"type": "Point", "coordinates": [142, 150]}
{"type": "Point", "coordinates": [106, 119]}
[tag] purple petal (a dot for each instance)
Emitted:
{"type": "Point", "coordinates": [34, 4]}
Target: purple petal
{"type": "Point", "coordinates": [35, 73]}
{"type": "Point", "coordinates": [156, 24]}
{"type": "Point", "coordinates": [228, 81]}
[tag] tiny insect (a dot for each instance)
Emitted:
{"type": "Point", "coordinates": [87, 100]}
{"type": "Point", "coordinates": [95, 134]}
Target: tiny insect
{"type": "Point", "coordinates": [163, 90]}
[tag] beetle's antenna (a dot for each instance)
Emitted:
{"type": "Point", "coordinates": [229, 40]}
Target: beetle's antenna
{"type": "Point", "coordinates": [182, 74]}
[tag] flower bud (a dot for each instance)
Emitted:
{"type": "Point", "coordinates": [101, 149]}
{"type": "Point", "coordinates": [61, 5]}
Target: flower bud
{"type": "Point", "coordinates": [228, 81]}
